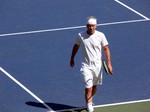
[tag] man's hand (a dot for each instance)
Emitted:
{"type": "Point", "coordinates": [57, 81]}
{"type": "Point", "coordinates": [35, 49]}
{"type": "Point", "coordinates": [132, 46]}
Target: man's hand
{"type": "Point", "coordinates": [110, 69]}
{"type": "Point", "coordinates": [72, 63]}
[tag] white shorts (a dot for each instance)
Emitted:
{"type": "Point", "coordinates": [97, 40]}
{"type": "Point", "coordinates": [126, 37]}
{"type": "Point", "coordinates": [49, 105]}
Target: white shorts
{"type": "Point", "coordinates": [92, 76]}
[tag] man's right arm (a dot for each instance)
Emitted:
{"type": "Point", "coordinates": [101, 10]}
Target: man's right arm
{"type": "Point", "coordinates": [74, 51]}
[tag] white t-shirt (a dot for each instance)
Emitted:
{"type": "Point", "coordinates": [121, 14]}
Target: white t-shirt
{"type": "Point", "coordinates": [91, 47]}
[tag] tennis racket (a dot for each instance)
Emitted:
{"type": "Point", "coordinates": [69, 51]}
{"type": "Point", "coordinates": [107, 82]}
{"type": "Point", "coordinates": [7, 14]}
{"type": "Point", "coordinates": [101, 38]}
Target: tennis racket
{"type": "Point", "coordinates": [105, 67]}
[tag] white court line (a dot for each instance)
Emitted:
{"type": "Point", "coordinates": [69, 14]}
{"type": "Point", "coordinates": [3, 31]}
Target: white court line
{"type": "Point", "coordinates": [123, 103]}
{"type": "Point", "coordinates": [27, 90]}
{"type": "Point", "coordinates": [132, 9]}
{"type": "Point", "coordinates": [107, 105]}
{"type": "Point", "coordinates": [70, 28]}
{"type": "Point", "coordinates": [123, 22]}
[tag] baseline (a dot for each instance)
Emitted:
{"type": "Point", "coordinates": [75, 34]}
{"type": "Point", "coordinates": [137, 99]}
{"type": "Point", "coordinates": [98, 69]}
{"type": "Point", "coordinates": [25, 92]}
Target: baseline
{"type": "Point", "coordinates": [106, 105]}
{"type": "Point", "coordinates": [123, 103]}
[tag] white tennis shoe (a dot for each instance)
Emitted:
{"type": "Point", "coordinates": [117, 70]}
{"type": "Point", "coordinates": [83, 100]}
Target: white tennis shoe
{"type": "Point", "coordinates": [90, 107]}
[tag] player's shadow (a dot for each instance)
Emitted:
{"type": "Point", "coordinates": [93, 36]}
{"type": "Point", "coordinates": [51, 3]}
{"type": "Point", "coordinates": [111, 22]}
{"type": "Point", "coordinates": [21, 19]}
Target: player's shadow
{"type": "Point", "coordinates": [54, 106]}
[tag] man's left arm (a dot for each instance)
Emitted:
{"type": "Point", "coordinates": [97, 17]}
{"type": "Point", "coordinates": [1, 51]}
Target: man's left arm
{"type": "Point", "coordinates": [108, 57]}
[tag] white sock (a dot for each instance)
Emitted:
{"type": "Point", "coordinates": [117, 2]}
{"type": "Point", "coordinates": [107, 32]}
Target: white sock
{"type": "Point", "coordinates": [90, 107]}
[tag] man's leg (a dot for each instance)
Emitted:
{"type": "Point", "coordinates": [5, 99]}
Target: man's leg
{"type": "Point", "coordinates": [89, 93]}
{"type": "Point", "coordinates": [94, 90]}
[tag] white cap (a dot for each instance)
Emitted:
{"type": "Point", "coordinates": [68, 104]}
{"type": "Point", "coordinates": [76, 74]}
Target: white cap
{"type": "Point", "coordinates": [92, 21]}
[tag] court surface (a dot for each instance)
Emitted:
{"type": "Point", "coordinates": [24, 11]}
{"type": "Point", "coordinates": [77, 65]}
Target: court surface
{"type": "Point", "coordinates": [36, 39]}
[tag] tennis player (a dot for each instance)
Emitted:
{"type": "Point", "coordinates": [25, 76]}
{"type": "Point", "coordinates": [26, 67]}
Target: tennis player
{"type": "Point", "coordinates": [91, 42]}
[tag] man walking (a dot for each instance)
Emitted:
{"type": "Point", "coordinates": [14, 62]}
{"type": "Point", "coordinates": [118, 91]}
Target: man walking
{"type": "Point", "coordinates": [91, 42]}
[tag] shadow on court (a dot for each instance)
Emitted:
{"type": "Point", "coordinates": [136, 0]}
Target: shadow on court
{"type": "Point", "coordinates": [56, 106]}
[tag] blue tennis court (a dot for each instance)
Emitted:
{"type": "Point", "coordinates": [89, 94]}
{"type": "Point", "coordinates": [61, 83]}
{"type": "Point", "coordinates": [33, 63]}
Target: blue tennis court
{"type": "Point", "coordinates": [36, 39]}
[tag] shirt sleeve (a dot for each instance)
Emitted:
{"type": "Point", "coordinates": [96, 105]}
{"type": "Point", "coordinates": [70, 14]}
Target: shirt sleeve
{"type": "Point", "coordinates": [104, 40]}
{"type": "Point", "coordinates": [78, 40]}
